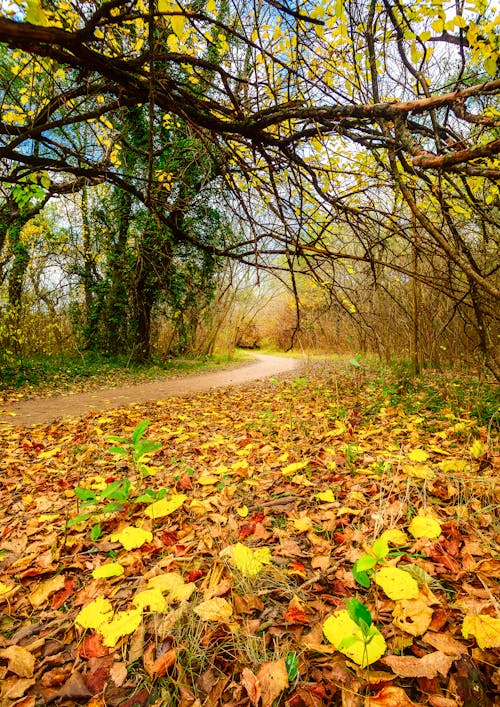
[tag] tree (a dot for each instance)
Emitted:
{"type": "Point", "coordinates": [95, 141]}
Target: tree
{"type": "Point", "coordinates": [376, 117]}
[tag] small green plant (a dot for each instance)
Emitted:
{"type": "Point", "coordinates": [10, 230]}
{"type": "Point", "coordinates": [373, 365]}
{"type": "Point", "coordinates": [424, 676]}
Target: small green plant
{"type": "Point", "coordinates": [363, 568]}
{"type": "Point", "coordinates": [136, 449]}
{"type": "Point", "coordinates": [109, 500]}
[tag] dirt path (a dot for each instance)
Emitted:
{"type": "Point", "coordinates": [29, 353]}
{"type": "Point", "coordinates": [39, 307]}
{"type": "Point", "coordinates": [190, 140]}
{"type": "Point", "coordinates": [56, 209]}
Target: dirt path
{"type": "Point", "coordinates": [45, 410]}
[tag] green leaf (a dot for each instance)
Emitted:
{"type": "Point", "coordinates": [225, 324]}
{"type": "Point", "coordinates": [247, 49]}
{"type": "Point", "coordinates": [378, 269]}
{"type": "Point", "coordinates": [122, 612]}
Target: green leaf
{"type": "Point", "coordinates": [117, 490]}
{"type": "Point", "coordinates": [365, 562]}
{"type": "Point", "coordinates": [359, 613]}
{"type": "Point", "coordinates": [361, 578]}
{"type": "Point", "coordinates": [139, 431]}
{"type": "Point", "coordinates": [112, 507]}
{"type": "Point", "coordinates": [78, 519]}
{"type": "Point", "coordinates": [292, 666]}
{"type": "Point", "coordinates": [118, 450]}
{"type": "Point", "coordinates": [85, 495]}
{"type": "Point", "coordinates": [96, 531]}
{"type": "Point", "coordinates": [380, 548]}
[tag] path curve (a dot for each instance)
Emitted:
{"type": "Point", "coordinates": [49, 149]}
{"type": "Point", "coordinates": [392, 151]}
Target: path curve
{"type": "Point", "coordinates": [46, 410]}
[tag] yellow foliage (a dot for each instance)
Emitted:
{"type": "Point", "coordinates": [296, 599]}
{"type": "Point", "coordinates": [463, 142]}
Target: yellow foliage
{"type": "Point", "coordinates": [424, 527]}
{"type": "Point", "coordinates": [347, 638]}
{"type": "Point", "coordinates": [396, 583]}
{"type": "Point", "coordinates": [131, 537]}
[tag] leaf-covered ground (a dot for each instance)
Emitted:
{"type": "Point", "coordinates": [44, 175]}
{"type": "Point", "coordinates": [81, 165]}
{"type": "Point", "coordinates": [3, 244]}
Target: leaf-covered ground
{"type": "Point", "coordinates": [208, 578]}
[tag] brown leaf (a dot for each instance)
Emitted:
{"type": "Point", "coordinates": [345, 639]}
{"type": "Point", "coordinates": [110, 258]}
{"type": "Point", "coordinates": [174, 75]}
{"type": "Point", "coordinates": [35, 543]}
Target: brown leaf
{"type": "Point", "coordinates": [427, 667]}
{"type": "Point", "coordinates": [389, 697]}
{"type": "Point", "coordinates": [136, 648]}
{"type": "Point", "coordinates": [74, 688]}
{"type": "Point", "coordinates": [45, 589]}
{"type": "Point", "coordinates": [21, 661]}
{"type": "Point", "coordinates": [445, 643]}
{"type": "Point", "coordinates": [12, 688]}
{"type": "Point", "coordinates": [118, 673]}
{"type": "Point", "coordinates": [247, 604]}
{"type": "Point", "coordinates": [273, 679]}
{"type": "Point", "coordinates": [251, 685]}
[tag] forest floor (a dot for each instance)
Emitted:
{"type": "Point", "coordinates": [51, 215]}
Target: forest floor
{"type": "Point", "coordinates": [325, 536]}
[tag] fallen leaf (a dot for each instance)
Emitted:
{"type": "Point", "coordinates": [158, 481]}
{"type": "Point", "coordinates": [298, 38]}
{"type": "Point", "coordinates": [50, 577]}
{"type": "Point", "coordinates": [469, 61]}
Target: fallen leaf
{"type": "Point", "coordinates": [484, 628]}
{"type": "Point", "coordinates": [292, 468]}
{"type": "Point", "coordinates": [273, 679]}
{"type": "Point", "coordinates": [429, 666]}
{"type": "Point", "coordinates": [165, 506]}
{"type": "Point", "coordinates": [327, 496]}
{"type": "Point", "coordinates": [172, 584]}
{"type": "Point", "coordinates": [394, 536]}
{"type": "Point", "coordinates": [21, 661]}
{"type": "Point", "coordinates": [14, 688]}
{"type": "Point", "coordinates": [151, 598]}
{"type": "Point", "coordinates": [424, 527]}
{"type": "Point", "coordinates": [389, 697]}
{"type": "Point", "coordinates": [94, 614]}
{"type": "Point", "coordinates": [45, 589]}
{"type": "Point", "coordinates": [131, 537]}
{"type": "Point", "coordinates": [216, 609]}
{"type": "Point", "coordinates": [111, 569]}
{"type": "Point", "coordinates": [347, 638]}
{"type": "Point", "coordinates": [413, 616]}
{"type": "Point", "coordinates": [248, 561]}
{"type": "Point", "coordinates": [122, 624]}
{"type": "Point", "coordinates": [251, 685]}
{"type": "Point", "coordinates": [396, 583]}
{"type": "Point", "coordinates": [418, 455]}
{"type": "Point", "coordinates": [445, 643]}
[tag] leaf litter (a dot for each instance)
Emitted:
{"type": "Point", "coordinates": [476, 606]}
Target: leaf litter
{"type": "Point", "coordinates": [300, 544]}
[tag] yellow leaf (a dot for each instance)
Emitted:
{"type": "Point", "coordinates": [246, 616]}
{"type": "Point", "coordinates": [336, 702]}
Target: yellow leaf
{"type": "Point", "coordinates": [208, 480]}
{"type": "Point", "coordinates": [165, 506]}
{"type": "Point", "coordinates": [301, 480]}
{"type": "Point", "coordinates": [451, 465]}
{"type": "Point", "coordinates": [112, 569]}
{"type": "Point", "coordinates": [346, 511]}
{"type": "Point", "coordinates": [347, 638]}
{"type": "Point", "coordinates": [216, 609]}
{"type": "Point", "coordinates": [131, 537]}
{"type": "Point", "coordinates": [418, 455]}
{"type": "Point", "coordinates": [394, 536]}
{"type": "Point", "coordinates": [419, 471]}
{"type": "Point", "coordinates": [327, 496]}
{"type": "Point", "coordinates": [152, 598]}
{"type": "Point", "coordinates": [242, 511]}
{"type": "Point", "coordinates": [477, 449]}
{"type": "Point", "coordinates": [122, 624]}
{"type": "Point", "coordinates": [94, 614]}
{"type": "Point", "coordinates": [484, 628]}
{"type": "Point", "coordinates": [396, 583]}
{"type": "Point", "coordinates": [302, 525]}
{"type": "Point", "coordinates": [211, 6]}
{"type": "Point", "coordinates": [49, 453]}
{"type": "Point", "coordinates": [5, 589]}
{"type": "Point", "coordinates": [249, 562]}
{"type": "Point", "coordinates": [45, 589]}
{"type": "Point", "coordinates": [172, 584]}
{"type": "Point", "coordinates": [292, 468]}
{"type": "Point", "coordinates": [21, 661]}
{"type": "Point", "coordinates": [424, 527]}
{"type": "Point", "coordinates": [47, 517]}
